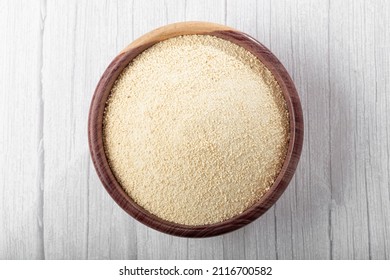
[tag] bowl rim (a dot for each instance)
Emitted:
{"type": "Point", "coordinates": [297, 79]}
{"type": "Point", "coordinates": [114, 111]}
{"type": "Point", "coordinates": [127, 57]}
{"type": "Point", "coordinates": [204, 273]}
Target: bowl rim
{"type": "Point", "coordinates": [103, 89]}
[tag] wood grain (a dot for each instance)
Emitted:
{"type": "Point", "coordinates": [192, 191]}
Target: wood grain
{"type": "Point", "coordinates": [21, 143]}
{"type": "Point", "coordinates": [359, 71]}
{"type": "Point", "coordinates": [106, 241]}
{"type": "Point", "coordinates": [337, 54]}
{"type": "Point", "coordinates": [65, 187]}
{"type": "Point", "coordinates": [302, 46]}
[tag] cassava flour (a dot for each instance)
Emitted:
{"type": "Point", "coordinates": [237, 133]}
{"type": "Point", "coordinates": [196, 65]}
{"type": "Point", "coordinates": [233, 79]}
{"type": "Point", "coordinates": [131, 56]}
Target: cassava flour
{"type": "Point", "coordinates": [196, 129]}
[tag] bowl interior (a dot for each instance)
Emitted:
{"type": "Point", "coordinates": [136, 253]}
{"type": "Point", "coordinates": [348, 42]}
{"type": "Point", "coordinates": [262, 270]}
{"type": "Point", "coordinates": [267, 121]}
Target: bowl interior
{"type": "Point", "coordinates": [103, 89]}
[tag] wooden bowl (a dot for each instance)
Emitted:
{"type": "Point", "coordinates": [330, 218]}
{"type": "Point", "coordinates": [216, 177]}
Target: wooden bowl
{"type": "Point", "coordinates": [95, 128]}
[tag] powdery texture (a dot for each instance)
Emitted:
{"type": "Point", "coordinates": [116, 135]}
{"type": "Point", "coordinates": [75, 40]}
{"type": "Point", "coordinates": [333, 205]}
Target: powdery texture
{"type": "Point", "coordinates": [196, 129]}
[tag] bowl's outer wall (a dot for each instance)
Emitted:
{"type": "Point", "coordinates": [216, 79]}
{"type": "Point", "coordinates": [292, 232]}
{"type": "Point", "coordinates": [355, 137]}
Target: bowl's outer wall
{"type": "Point", "coordinates": [103, 89]}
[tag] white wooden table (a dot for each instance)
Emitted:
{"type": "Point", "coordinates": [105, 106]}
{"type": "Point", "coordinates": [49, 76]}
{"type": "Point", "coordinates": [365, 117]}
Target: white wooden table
{"type": "Point", "coordinates": [52, 204]}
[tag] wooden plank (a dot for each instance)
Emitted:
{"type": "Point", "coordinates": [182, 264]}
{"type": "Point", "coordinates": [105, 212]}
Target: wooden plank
{"type": "Point", "coordinates": [149, 15]}
{"type": "Point", "coordinates": [258, 239]}
{"type": "Point", "coordinates": [265, 228]}
{"type": "Point", "coordinates": [377, 22]}
{"type": "Point", "coordinates": [205, 249]}
{"type": "Point", "coordinates": [65, 122]}
{"type": "Point", "coordinates": [108, 29]}
{"type": "Point", "coordinates": [21, 161]}
{"type": "Point", "coordinates": [204, 10]}
{"type": "Point", "coordinates": [212, 11]}
{"type": "Point", "coordinates": [299, 37]}
{"type": "Point", "coordinates": [349, 198]}
{"type": "Point", "coordinates": [359, 129]}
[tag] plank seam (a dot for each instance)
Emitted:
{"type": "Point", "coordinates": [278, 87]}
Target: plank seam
{"type": "Point", "coordinates": [330, 145]}
{"type": "Point", "coordinates": [41, 146]}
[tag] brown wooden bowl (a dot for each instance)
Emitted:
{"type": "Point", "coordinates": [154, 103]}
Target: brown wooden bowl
{"type": "Point", "coordinates": [95, 128]}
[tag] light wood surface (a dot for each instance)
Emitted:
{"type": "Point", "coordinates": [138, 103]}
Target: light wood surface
{"type": "Point", "coordinates": [52, 204]}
